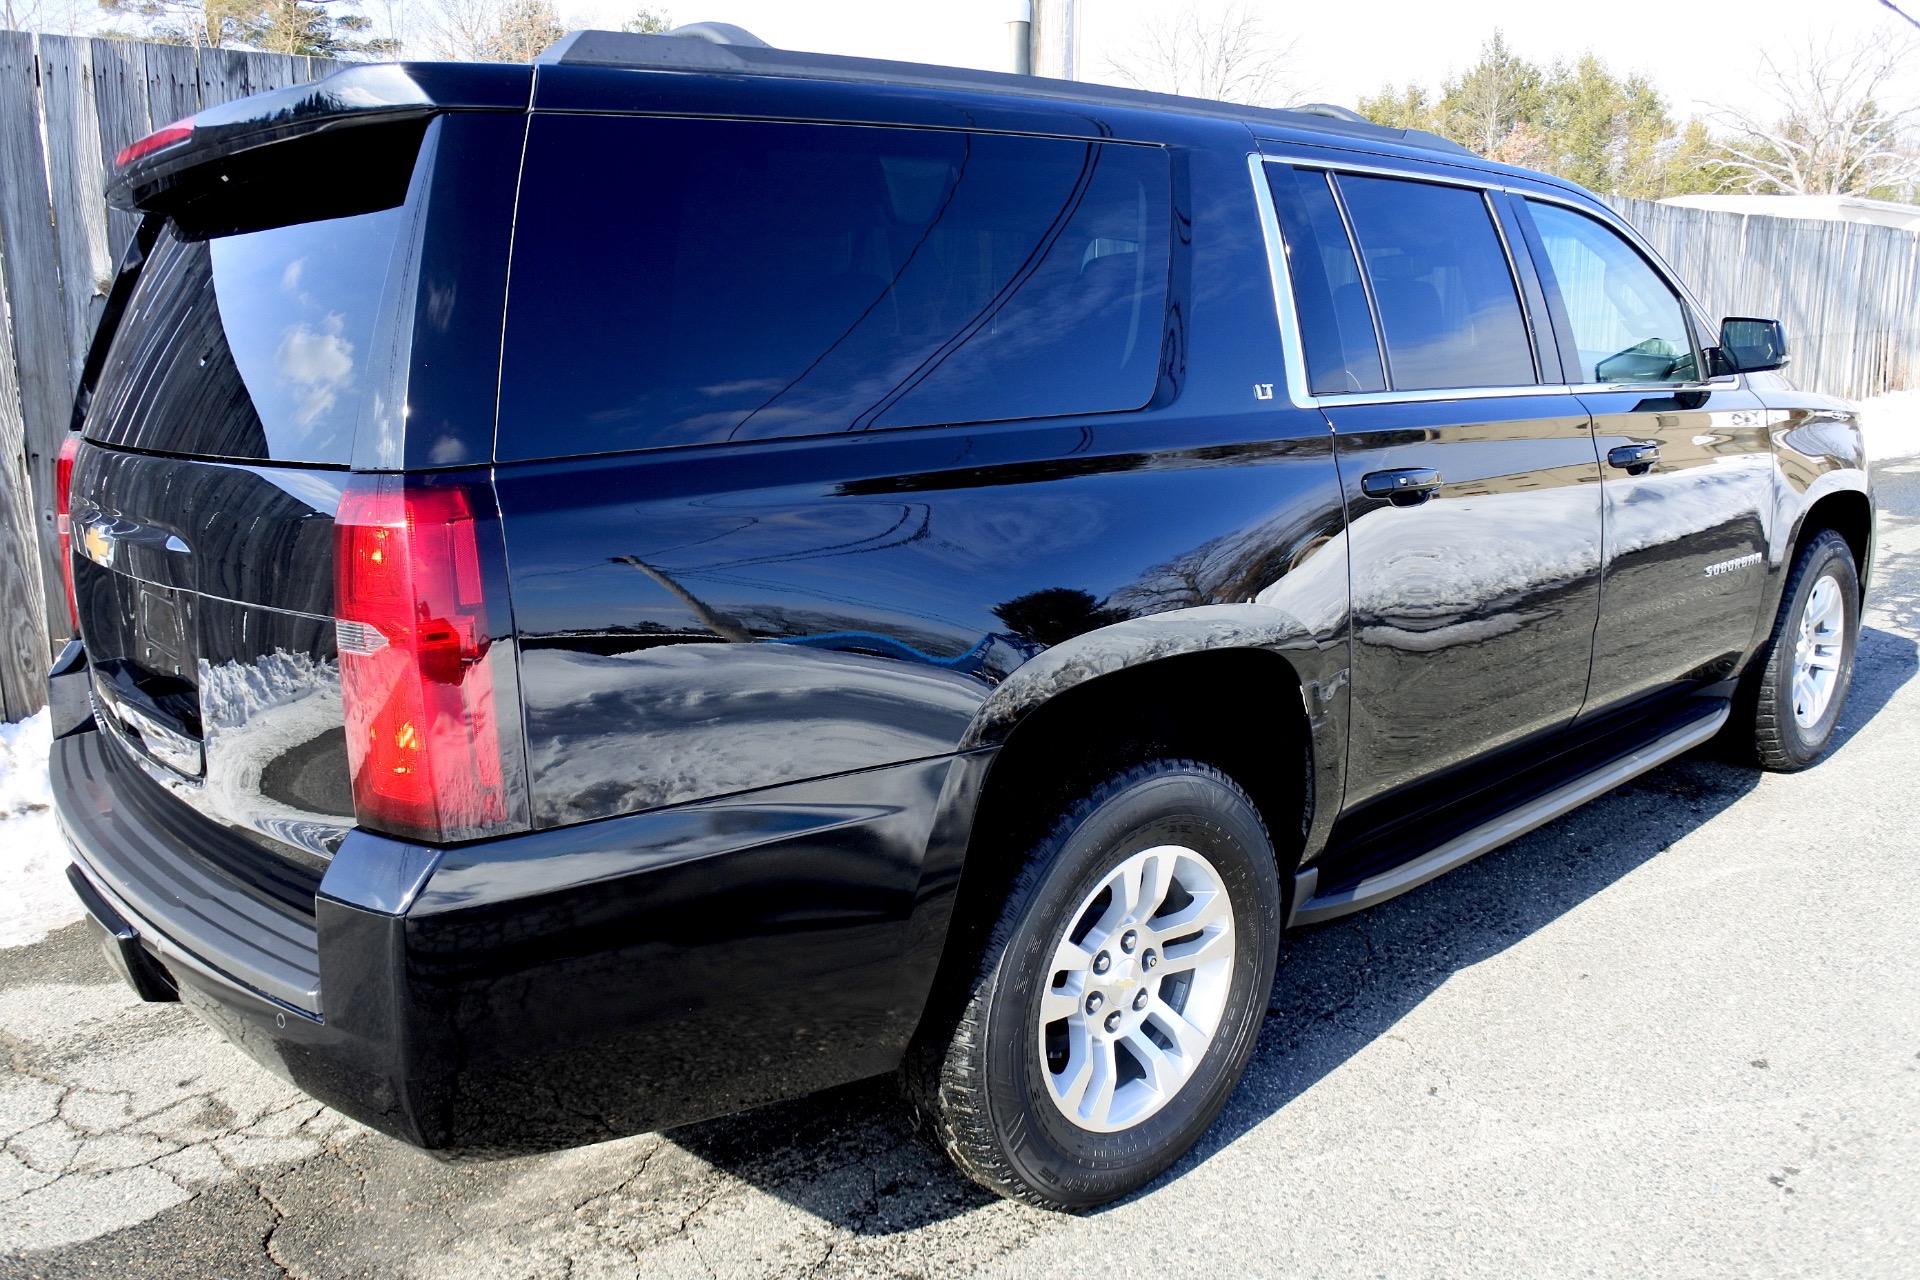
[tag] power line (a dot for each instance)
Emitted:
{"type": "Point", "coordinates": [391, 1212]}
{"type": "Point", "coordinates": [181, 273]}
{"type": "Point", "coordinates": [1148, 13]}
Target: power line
{"type": "Point", "coordinates": [1902, 12]}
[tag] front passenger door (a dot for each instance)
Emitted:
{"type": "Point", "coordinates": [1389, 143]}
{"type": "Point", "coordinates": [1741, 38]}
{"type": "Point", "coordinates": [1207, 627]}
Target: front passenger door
{"type": "Point", "coordinates": [1687, 474]}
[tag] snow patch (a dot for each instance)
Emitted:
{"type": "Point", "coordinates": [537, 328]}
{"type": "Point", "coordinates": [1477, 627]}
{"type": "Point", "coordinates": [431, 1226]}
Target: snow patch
{"type": "Point", "coordinates": [1891, 424]}
{"type": "Point", "coordinates": [35, 898]}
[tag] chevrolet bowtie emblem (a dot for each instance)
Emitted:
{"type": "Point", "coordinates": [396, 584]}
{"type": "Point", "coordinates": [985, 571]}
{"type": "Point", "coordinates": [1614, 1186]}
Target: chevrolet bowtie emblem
{"type": "Point", "coordinates": [96, 544]}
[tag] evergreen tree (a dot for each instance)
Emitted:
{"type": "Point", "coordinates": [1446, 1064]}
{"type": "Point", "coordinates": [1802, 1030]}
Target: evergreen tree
{"type": "Point", "coordinates": [648, 23]}
{"type": "Point", "coordinates": [1407, 108]}
{"type": "Point", "coordinates": [312, 27]}
{"type": "Point", "coordinates": [1576, 120]}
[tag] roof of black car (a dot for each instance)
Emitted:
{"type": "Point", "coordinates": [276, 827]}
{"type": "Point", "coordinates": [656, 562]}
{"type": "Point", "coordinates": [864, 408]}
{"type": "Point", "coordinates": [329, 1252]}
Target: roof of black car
{"type": "Point", "coordinates": [625, 49]}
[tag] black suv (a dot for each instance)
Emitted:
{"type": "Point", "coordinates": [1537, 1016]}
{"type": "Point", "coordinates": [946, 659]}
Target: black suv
{"type": "Point", "coordinates": [619, 590]}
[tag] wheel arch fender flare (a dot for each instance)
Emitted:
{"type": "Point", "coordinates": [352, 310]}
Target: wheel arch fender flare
{"type": "Point", "coordinates": [1317, 657]}
{"type": "Point", "coordinates": [1134, 642]}
{"type": "Point", "coordinates": [1844, 482]}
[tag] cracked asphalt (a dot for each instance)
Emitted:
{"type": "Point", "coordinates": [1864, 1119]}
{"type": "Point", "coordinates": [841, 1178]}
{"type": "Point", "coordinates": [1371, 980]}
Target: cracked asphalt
{"type": "Point", "coordinates": [1675, 1033]}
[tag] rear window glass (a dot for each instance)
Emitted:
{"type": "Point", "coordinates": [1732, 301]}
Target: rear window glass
{"type": "Point", "coordinates": [257, 346]}
{"type": "Point", "coordinates": [681, 282]}
{"type": "Point", "coordinates": [1442, 285]}
{"type": "Point", "coordinates": [1336, 326]}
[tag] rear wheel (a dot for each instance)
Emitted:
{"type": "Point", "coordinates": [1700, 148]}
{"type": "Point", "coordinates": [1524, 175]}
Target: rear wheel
{"type": "Point", "coordinates": [1802, 684]}
{"type": "Point", "coordinates": [1119, 996]}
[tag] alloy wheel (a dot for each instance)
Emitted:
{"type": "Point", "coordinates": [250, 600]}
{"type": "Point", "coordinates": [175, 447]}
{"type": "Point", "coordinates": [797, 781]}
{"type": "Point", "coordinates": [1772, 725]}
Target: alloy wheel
{"type": "Point", "coordinates": [1136, 988]}
{"type": "Point", "coordinates": [1817, 652]}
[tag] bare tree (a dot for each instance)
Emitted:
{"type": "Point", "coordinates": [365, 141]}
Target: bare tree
{"type": "Point", "coordinates": [1496, 95]}
{"type": "Point", "coordinates": [491, 30]}
{"type": "Point", "coordinates": [57, 17]}
{"type": "Point", "coordinates": [1229, 56]}
{"type": "Point", "coordinates": [1834, 129]}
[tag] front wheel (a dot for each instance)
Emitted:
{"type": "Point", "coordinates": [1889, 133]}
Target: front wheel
{"type": "Point", "coordinates": [1808, 668]}
{"type": "Point", "coordinates": [1119, 997]}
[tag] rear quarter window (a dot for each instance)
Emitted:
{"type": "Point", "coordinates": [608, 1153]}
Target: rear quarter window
{"type": "Point", "coordinates": [682, 282]}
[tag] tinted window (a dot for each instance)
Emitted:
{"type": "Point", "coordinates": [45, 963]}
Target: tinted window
{"type": "Point", "coordinates": [1442, 284]}
{"type": "Point", "coordinates": [679, 281]}
{"type": "Point", "coordinates": [251, 346]}
{"type": "Point", "coordinates": [1627, 324]}
{"type": "Point", "coordinates": [1336, 326]}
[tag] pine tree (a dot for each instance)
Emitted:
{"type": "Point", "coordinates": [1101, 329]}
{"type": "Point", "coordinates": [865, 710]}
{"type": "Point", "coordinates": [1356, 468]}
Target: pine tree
{"type": "Point", "coordinates": [312, 28]}
{"type": "Point", "coordinates": [1575, 119]}
{"type": "Point", "coordinates": [1407, 108]}
{"type": "Point", "coordinates": [648, 23]}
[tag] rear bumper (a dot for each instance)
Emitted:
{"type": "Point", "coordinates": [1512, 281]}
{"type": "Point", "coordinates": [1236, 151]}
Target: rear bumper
{"type": "Point", "coordinates": [562, 986]}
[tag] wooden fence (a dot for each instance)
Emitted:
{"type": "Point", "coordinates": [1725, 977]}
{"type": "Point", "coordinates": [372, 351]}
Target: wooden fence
{"type": "Point", "coordinates": [67, 106]}
{"type": "Point", "coordinates": [1849, 293]}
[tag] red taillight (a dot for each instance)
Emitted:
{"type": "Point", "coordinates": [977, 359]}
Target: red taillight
{"type": "Point", "coordinates": [417, 671]}
{"type": "Point", "coordinates": [178, 131]}
{"type": "Point", "coordinates": [63, 520]}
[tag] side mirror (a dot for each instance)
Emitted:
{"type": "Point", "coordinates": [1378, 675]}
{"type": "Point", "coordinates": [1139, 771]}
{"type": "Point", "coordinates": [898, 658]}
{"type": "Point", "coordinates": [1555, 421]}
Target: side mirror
{"type": "Point", "coordinates": [1751, 346]}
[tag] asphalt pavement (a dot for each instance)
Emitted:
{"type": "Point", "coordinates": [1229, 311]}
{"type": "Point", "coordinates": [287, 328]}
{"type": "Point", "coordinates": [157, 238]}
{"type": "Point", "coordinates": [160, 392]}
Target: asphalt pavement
{"type": "Point", "coordinates": [1676, 1033]}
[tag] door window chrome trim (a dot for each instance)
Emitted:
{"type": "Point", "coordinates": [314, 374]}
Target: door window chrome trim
{"type": "Point", "coordinates": [1292, 344]}
{"type": "Point", "coordinates": [1292, 348]}
{"type": "Point", "coordinates": [1443, 394]}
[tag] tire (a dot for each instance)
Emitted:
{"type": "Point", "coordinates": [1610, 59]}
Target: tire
{"type": "Point", "coordinates": [1823, 587]}
{"type": "Point", "coordinates": [985, 1082]}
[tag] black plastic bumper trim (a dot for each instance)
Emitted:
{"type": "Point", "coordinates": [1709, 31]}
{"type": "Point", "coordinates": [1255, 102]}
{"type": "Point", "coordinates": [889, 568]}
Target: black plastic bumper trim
{"type": "Point", "coordinates": [181, 904]}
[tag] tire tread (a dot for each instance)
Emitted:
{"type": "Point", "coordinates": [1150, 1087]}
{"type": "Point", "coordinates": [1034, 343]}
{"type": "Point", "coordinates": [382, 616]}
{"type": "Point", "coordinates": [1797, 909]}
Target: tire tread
{"type": "Point", "coordinates": [1772, 741]}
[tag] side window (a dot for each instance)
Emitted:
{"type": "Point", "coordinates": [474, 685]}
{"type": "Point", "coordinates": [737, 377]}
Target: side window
{"type": "Point", "coordinates": [1626, 323]}
{"type": "Point", "coordinates": [1336, 325]}
{"type": "Point", "coordinates": [688, 281]}
{"type": "Point", "coordinates": [1442, 284]}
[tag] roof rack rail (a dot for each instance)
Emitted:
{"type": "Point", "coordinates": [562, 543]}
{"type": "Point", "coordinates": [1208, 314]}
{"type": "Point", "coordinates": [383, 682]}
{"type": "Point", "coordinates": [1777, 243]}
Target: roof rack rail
{"type": "Point", "coordinates": [721, 48]}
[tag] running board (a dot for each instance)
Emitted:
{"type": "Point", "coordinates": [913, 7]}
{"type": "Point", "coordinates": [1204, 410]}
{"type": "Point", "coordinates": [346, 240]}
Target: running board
{"type": "Point", "coordinates": [1312, 909]}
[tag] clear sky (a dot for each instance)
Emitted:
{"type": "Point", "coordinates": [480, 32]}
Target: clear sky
{"type": "Point", "coordinates": [1700, 53]}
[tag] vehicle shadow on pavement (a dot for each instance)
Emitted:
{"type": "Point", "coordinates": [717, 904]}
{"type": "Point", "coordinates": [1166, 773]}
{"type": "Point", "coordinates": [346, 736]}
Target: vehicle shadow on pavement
{"type": "Point", "coordinates": [1344, 984]}
{"type": "Point", "coordinates": [849, 1155]}
{"type": "Point", "coordinates": [1883, 661]}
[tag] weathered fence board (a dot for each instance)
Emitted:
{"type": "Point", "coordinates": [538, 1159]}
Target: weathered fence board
{"type": "Point", "coordinates": [1849, 293]}
{"type": "Point", "coordinates": [29, 260]}
{"type": "Point", "coordinates": [67, 106]}
{"type": "Point", "coordinates": [119, 89]}
{"type": "Point", "coordinates": [76, 182]}
{"type": "Point", "coordinates": [23, 635]}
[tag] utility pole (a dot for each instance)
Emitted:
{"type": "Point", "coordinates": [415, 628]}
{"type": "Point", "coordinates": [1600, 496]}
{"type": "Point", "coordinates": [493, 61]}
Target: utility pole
{"type": "Point", "coordinates": [1019, 37]}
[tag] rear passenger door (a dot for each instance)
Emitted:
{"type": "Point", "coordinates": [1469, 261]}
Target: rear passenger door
{"type": "Point", "coordinates": [1688, 466]}
{"type": "Point", "coordinates": [1472, 490]}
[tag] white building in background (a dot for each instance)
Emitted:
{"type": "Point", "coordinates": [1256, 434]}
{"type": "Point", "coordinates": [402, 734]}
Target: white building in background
{"type": "Point", "coordinates": [1880, 213]}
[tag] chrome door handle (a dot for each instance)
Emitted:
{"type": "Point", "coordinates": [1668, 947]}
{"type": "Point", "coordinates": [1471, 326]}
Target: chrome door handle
{"type": "Point", "coordinates": [1407, 487]}
{"type": "Point", "coordinates": [1634, 459]}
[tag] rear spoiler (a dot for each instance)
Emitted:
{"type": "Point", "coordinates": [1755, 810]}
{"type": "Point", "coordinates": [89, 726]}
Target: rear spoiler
{"type": "Point", "coordinates": [377, 93]}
